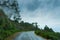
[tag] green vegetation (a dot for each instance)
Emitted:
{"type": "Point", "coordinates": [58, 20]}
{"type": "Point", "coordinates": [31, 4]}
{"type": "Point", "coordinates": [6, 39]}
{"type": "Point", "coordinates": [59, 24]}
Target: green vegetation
{"type": "Point", "coordinates": [9, 27]}
{"type": "Point", "coordinates": [48, 33]}
{"type": "Point", "coordinates": [27, 26]}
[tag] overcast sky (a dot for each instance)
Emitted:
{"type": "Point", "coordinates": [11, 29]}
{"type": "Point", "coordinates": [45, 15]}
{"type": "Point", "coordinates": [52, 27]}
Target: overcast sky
{"type": "Point", "coordinates": [44, 12]}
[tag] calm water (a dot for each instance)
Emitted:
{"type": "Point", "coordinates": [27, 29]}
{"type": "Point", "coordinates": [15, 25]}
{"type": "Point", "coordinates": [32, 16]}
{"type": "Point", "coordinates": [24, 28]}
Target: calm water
{"type": "Point", "coordinates": [28, 36]}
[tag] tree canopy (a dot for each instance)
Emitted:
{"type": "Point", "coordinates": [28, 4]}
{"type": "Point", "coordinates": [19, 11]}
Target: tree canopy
{"type": "Point", "coordinates": [46, 28]}
{"type": "Point", "coordinates": [13, 6]}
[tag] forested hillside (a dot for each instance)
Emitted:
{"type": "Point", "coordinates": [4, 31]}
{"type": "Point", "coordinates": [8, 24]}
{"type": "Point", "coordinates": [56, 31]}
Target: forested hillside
{"type": "Point", "coordinates": [9, 27]}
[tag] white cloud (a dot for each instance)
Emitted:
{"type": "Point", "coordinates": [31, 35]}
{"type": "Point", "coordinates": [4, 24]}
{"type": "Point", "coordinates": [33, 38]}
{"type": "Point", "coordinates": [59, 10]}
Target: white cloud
{"type": "Point", "coordinates": [45, 14]}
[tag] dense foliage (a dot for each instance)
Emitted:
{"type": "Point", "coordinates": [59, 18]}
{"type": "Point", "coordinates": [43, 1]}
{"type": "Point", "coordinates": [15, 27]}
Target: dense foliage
{"type": "Point", "coordinates": [9, 27]}
{"type": "Point", "coordinates": [27, 26]}
{"type": "Point", "coordinates": [48, 33]}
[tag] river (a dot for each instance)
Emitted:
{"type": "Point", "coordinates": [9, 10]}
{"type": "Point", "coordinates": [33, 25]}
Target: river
{"type": "Point", "coordinates": [28, 36]}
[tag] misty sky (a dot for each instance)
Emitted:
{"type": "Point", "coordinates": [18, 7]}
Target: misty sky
{"type": "Point", "coordinates": [44, 12]}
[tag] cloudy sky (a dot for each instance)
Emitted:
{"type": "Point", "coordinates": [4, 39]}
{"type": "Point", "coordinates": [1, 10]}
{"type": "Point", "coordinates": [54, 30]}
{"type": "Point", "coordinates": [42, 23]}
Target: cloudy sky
{"type": "Point", "coordinates": [44, 12]}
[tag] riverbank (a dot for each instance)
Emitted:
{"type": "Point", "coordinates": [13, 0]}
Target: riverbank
{"type": "Point", "coordinates": [12, 36]}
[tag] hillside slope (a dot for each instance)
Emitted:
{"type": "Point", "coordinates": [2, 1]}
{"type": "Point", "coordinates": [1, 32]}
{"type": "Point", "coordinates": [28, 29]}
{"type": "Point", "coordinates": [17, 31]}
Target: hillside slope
{"type": "Point", "coordinates": [9, 27]}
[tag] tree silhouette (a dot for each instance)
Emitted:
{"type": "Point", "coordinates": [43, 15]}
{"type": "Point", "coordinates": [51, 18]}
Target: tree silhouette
{"type": "Point", "coordinates": [13, 6]}
{"type": "Point", "coordinates": [46, 28]}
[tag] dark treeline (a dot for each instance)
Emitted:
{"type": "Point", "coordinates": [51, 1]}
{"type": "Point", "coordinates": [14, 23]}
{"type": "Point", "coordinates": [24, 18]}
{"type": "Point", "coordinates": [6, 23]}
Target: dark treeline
{"type": "Point", "coordinates": [48, 33]}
